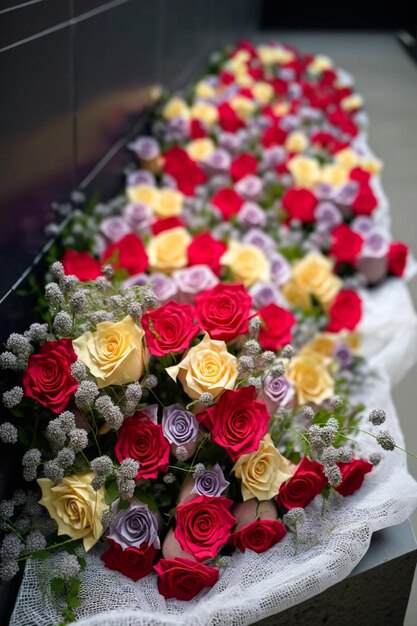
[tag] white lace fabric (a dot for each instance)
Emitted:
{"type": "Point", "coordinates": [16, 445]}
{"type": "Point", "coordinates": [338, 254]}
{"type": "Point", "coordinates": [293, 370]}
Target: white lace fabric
{"type": "Point", "coordinates": [254, 586]}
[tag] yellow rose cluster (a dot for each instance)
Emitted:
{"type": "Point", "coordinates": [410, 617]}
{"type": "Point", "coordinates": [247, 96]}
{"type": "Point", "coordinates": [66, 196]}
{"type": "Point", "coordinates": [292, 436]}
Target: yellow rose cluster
{"type": "Point", "coordinates": [163, 202]}
{"type": "Point", "coordinates": [312, 276]}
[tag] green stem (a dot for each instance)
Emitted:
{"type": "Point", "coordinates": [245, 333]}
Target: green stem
{"type": "Point", "coordinates": [395, 445]}
{"type": "Point", "coordinates": [55, 545]}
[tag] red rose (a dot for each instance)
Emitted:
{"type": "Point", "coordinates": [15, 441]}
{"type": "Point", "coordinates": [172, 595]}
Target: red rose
{"type": "Point", "coordinates": [362, 176]}
{"type": "Point", "coordinates": [183, 579]}
{"type": "Point", "coordinates": [243, 165]}
{"type": "Point", "coordinates": [345, 311]}
{"type": "Point", "coordinates": [397, 258]}
{"type": "Point", "coordinates": [228, 118]}
{"type": "Point", "coordinates": [184, 170]}
{"type": "Point", "coordinates": [47, 378]}
{"type": "Point", "coordinates": [203, 525]}
{"type": "Point", "coordinates": [353, 475]}
{"type": "Point", "coordinates": [226, 78]}
{"type": "Point", "coordinates": [237, 422]}
{"type": "Point", "coordinates": [340, 119]}
{"type": "Point", "coordinates": [365, 202]}
{"type": "Point", "coordinates": [228, 202]}
{"type": "Point", "coordinates": [197, 130]}
{"type": "Point", "coordinates": [275, 331]}
{"type": "Point", "coordinates": [223, 311]}
{"type": "Point", "coordinates": [205, 250]}
{"type": "Point", "coordinates": [140, 439]}
{"type": "Point", "coordinates": [273, 136]}
{"type": "Point", "coordinates": [169, 328]}
{"type": "Point", "coordinates": [346, 244]}
{"type": "Point", "coordinates": [135, 563]}
{"type": "Point", "coordinates": [166, 224]}
{"type": "Point", "coordinates": [258, 536]}
{"type": "Point", "coordinates": [81, 264]}
{"type": "Point", "coordinates": [128, 254]}
{"type": "Point", "coordinates": [307, 482]}
{"type": "Point", "coordinates": [300, 204]}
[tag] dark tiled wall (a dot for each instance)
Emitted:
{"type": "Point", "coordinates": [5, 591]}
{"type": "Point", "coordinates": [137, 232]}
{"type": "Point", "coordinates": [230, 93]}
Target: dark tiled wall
{"type": "Point", "coordinates": [75, 76]}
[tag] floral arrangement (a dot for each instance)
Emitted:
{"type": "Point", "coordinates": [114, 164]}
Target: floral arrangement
{"type": "Point", "coordinates": [189, 391]}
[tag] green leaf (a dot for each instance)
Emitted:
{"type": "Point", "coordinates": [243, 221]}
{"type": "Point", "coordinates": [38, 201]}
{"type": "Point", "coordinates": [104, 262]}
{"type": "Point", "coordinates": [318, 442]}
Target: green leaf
{"type": "Point", "coordinates": [40, 554]}
{"type": "Point", "coordinates": [112, 491]}
{"type": "Point", "coordinates": [74, 588]}
{"type": "Point", "coordinates": [74, 602]}
{"type": "Point", "coordinates": [57, 585]}
{"type": "Point", "coordinates": [146, 499]}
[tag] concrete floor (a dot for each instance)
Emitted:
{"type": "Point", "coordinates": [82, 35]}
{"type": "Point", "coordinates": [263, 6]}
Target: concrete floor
{"type": "Point", "coordinates": [387, 78]}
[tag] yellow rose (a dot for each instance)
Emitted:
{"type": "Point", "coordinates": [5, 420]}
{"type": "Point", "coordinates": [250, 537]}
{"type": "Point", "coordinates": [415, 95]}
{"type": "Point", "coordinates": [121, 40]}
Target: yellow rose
{"type": "Point", "coordinates": [274, 54]}
{"type": "Point", "coordinates": [206, 367]}
{"type": "Point", "coordinates": [352, 103]}
{"type": "Point", "coordinates": [323, 343]}
{"type": "Point", "coordinates": [281, 108]}
{"type": "Point", "coordinates": [334, 174]}
{"type": "Point", "coordinates": [262, 472]}
{"type": "Point", "coordinates": [311, 378]}
{"type": "Point", "coordinates": [169, 203]}
{"type": "Point", "coordinates": [114, 353]}
{"type": "Point", "coordinates": [314, 275]}
{"type": "Point", "coordinates": [372, 165]}
{"type": "Point", "coordinates": [319, 64]}
{"type": "Point", "coordinates": [242, 56]}
{"type": "Point", "coordinates": [247, 263]}
{"type": "Point", "coordinates": [243, 107]}
{"type": "Point", "coordinates": [296, 141]}
{"type": "Point", "coordinates": [263, 92]}
{"type": "Point", "coordinates": [244, 80]}
{"type": "Point", "coordinates": [203, 89]}
{"type": "Point", "coordinates": [175, 107]}
{"type": "Point", "coordinates": [144, 194]}
{"type": "Point", "coordinates": [305, 170]}
{"type": "Point", "coordinates": [200, 149]}
{"type": "Point", "coordinates": [204, 112]}
{"type": "Point", "coordinates": [348, 158]}
{"type": "Point", "coordinates": [296, 296]}
{"type": "Point", "coordinates": [75, 506]}
{"type": "Point", "coordinates": [167, 251]}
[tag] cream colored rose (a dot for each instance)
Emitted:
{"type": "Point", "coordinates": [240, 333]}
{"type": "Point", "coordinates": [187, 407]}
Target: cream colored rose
{"type": "Point", "coordinates": [247, 263]}
{"type": "Point", "coordinates": [114, 353]}
{"type": "Point", "coordinates": [296, 141]}
{"type": "Point", "coordinates": [167, 251]}
{"type": "Point", "coordinates": [204, 112]}
{"type": "Point", "coordinates": [263, 92]}
{"type": "Point", "coordinates": [175, 107]}
{"type": "Point", "coordinates": [203, 89]}
{"type": "Point", "coordinates": [372, 165]}
{"type": "Point", "coordinates": [274, 54]}
{"type": "Point", "coordinates": [348, 158]}
{"type": "Point", "coordinates": [169, 203]}
{"type": "Point", "coordinates": [305, 170]}
{"type": "Point", "coordinates": [207, 367]}
{"type": "Point", "coordinates": [334, 174]}
{"type": "Point", "coordinates": [281, 108]}
{"type": "Point", "coordinates": [319, 64]}
{"type": "Point", "coordinates": [352, 103]}
{"type": "Point", "coordinates": [314, 275]}
{"type": "Point", "coordinates": [262, 472]}
{"type": "Point", "coordinates": [325, 343]}
{"type": "Point", "coordinates": [144, 194]}
{"type": "Point", "coordinates": [243, 107]}
{"type": "Point", "coordinates": [311, 378]}
{"type": "Point", "coordinates": [244, 80]}
{"type": "Point", "coordinates": [200, 149]}
{"type": "Point", "coordinates": [75, 506]}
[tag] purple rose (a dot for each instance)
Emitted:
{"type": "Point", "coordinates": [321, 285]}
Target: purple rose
{"type": "Point", "coordinates": [263, 294]}
{"type": "Point", "coordinates": [114, 228]}
{"type": "Point", "coordinates": [324, 191]}
{"type": "Point", "coordinates": [211, 482]}
{"type": "Point", "coordinates": [250, 215]}
{"type": "Point", "coordinates": [280, 269]}
{"type": "Point", "coordinates": [140, 177]}
{"type": "Point", "coordinates": [250, 187]}
{"type": "Point", "coordinates": [137, 279]}
{"type": "Point", "coordinates": [373, 261]}
{"type": "Point", "coordinates": [180, 426]}
{"type": "Point", "coordinates": [328, 215]}
{"type": "Point", "coordinates": [134, 526]}
{"type": "Point", "coordinates": [273, 156]}
{"type": "Point", "coordinates": [193, 280]}
{"type": "Point", "coordinates": [139, 216]}
{"type": "Point", "coordinates": [376, 245]}
{"type": "Point", "coordinates": [217, 162]}
{"type": "Point", "coordinates": [229, 141]}
{"type": "Point", "coordinates": [146, 148]}
{"type": "Point", "coordinates": [362, 225]}
{"type": "Point", "coordinates": [289, 123]}
{"type": "Point", "coordinates": [343, 355]}
{"type": "Point", "coordinates": [276, 391]}
{"type": "Point", "coordinates": [163, 287]}
{"type": "Point", "coordinates": [258, 238]}
{"type": "Point", "coordinates": [347, 193]}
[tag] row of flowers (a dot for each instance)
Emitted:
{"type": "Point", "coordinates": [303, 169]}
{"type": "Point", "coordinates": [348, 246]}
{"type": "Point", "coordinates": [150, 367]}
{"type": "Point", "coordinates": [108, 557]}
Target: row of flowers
{"type": "Point", "coordinates": [189, 391]}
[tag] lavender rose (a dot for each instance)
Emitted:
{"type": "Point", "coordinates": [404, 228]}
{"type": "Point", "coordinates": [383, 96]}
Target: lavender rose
{"type": "Point", "coordinates": [263, 294]}
{"type": "Point", "coordinates": [211, 482]}
{"type": "Point", "coordinates": [328, 215]}
{"type": "Point", "coordinates": [139, 216]}
{"type": "Point", "coordinates": [140, 177]}
{"type": "Point", "coordinates": [179, 426]}
{"type": "Point", "coordinates": [257, 237]}
{"type": "Point", "coordinates": [347, 193]}
{"type": "Point", "coordinates": [251, 215]}
{"type": "Point", "coordinates": [343, 354]}
{"type": "Point", "coordinates": [146, 148]}
{"type": "Point", "coordinates": [163, 287]}
{"type": "Point", "coordinates": [276, 391]}
{"type": "Point", "coordinates": [280, 269]}
{"type": "Point", "coordinates": [134, 526]}
{"type": "Point", "coordinates": [217, 162]}
{"type": "Point", "coordinates": [193, 280]}
{"type": "Point", "coordinates": [250, 187]}
{"type": "Point", "coordinates": [114, 228]}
